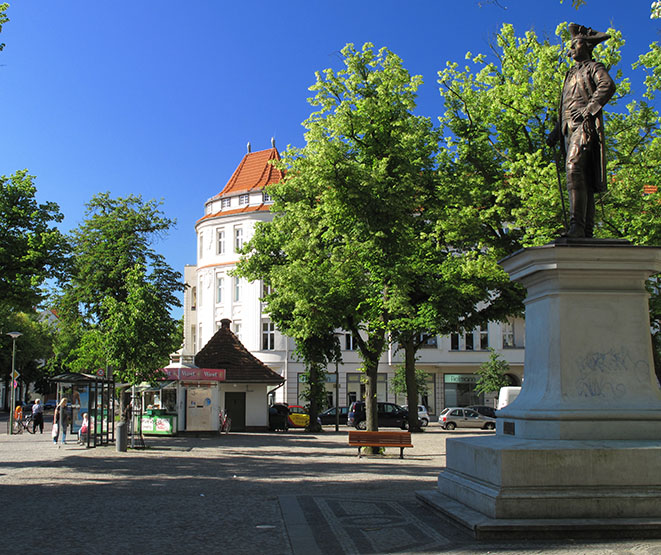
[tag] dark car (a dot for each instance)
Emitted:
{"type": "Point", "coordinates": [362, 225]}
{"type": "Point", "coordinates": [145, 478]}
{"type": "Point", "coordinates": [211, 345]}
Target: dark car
{"type": "Point", "coordinates": [328, 416]}
{"type": "Point", "coordinates": [50, 404]}
{"type": "Point", "coordinates": [484, 410]}
{"type": "Point", "coordinates": [389, 415]}
{"type": "Point", "coordinates": [278, 417]}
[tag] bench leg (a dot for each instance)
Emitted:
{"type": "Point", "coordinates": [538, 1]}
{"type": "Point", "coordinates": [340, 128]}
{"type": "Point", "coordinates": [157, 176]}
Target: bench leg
{"type": "Point", "coordinates": [401, 452]}
{"type": "Point", "coordinates": [360, 454]}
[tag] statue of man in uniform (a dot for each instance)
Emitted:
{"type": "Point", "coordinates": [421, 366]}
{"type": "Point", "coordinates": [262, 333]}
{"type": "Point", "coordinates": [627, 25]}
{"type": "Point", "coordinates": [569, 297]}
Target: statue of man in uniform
{"type": "Point", "coordinates": [586, 90]}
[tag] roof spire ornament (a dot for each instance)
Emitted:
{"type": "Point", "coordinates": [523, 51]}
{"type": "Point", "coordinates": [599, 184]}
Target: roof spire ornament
{"type": "Point", "coordinates": [272, 142]}
{"type": "Point", "coordinates": [248, 146]}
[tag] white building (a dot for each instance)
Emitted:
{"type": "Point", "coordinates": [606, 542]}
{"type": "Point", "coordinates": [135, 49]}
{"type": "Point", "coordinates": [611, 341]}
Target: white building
{"type": "Point", "coordinates": [213, 295]}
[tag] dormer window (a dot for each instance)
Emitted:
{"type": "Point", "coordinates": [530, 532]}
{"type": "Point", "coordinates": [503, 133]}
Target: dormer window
{"type": "Point", "coordinates": [244, 199]}
{"type": "Point", "coordinates": [266, 197]}
{"type": "Point", "coordinates": [225, 203]}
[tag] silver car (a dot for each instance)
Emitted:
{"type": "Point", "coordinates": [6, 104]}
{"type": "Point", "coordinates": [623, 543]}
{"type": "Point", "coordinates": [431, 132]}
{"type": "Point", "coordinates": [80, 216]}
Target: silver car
{"type": "Point", "coordinates": [457, 417]}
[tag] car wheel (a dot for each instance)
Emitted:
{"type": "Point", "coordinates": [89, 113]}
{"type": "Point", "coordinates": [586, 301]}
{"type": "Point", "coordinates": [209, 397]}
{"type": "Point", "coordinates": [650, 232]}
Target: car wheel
{"type": "Point", "coordinates": [362, 425]}
{"type": "Point", "coordinates": [424, 422]}
{"type": "Point", "coordinates": [450, 426]}
{"type": "Point", "coordinates": [405, 425]}
{"type": "Point", "coordinates": [489, 426]}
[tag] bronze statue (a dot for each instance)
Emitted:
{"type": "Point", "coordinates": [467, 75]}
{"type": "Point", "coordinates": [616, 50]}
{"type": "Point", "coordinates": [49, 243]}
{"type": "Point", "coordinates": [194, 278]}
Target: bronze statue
{"type": "Point", "coordinates": [586, 90]}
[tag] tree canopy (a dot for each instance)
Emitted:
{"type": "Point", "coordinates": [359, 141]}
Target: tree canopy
{"type": "Point", "coordinates": [115, 304]}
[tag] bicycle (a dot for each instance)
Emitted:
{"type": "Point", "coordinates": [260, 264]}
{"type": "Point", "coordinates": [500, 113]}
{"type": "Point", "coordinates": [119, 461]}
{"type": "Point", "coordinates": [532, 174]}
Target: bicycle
{"type": "Point", "coordinates": [24, 424]}
{"type": "Point", "coordinates": [225, 422]}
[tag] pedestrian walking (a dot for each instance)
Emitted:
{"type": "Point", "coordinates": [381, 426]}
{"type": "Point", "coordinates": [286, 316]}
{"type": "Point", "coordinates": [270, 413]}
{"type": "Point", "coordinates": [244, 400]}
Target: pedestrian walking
{"type": "Point", "coordinates": [60, 421]}
{"type": "Point", "coordinates": [37, 416]}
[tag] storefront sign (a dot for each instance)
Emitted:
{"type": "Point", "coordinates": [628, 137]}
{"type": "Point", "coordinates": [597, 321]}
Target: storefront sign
{"type": "Point", "coordinates": [194, 374]}
{"type": "Point", "coordinates": [460, 378]}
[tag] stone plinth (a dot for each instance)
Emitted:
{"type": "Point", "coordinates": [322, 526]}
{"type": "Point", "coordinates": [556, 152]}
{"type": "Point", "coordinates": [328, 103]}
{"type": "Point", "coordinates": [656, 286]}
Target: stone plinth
{"type": "Point", "coordinates": [582, 441]}
{"type": "Point", "coordinates": [588, 370]}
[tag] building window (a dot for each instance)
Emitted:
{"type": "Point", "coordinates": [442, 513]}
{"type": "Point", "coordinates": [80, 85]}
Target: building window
{"type": "Point", "coordinates": [236, 328]}
{"type": "Point", "coordinates": [349, 343]}
{"type": "Point", "coordinates": [508, 335]}
{"type": "Point", "coordinates": [475, 340]}
{"type": "Point", "coordinates": [244, 199]}
{"type": "Point", "coordinates": [266, 197]}
{"type": "Point", "coordinates": [483, 333]}
{"type": "Point", "coordinates": [200, 245]}
{"type": "Point", "coordinates": [199, 337]}
{"type": "Point", "coordinates": [428, 341]}
{"type": "Point", "coordinates": [199, 292]}
{"type": "Point", "coordinates": [220, 281]}
{"type": "Point", "coordinates": [220, 241]}
{"type": "Point", "coordinates": [193, 334]}
{"type": "Point", "coordinates": [225, 203]}
{"type": "Point", "coordinates": [268, 336]}
{"type": "Point", "coordinates": [266, 290]}
{"type": "Point", "coordinates": [238, 239]}
{"type": "Point", "coordinates": [193, 298]}
{"type": "Point", "coordinates": [237, 289]}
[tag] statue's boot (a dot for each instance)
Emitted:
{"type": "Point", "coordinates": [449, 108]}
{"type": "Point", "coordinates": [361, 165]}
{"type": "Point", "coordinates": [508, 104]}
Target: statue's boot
{"type": "Point", "coordinates": [577, 210]}
{"type": "Point", "coordinates": [589, 214]}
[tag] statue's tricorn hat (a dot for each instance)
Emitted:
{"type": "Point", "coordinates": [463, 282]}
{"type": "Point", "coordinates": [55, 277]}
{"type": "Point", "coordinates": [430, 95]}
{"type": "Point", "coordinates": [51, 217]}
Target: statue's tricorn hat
{"type": "Point", "coordinates": [587, 34]}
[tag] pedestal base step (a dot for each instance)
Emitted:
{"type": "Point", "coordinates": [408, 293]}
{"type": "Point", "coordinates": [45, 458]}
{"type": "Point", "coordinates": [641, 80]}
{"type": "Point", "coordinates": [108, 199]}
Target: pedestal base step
{"type": "Point", "coordinates": [482, 527]}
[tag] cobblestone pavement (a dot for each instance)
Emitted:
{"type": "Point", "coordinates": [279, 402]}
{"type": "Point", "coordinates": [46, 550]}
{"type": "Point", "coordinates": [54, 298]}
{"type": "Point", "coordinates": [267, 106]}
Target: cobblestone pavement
{"type": "Point", "coordinates": [290, 493]}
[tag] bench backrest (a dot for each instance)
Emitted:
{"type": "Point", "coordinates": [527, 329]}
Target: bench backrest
{"type": "Point", "coordinates": [389, 437]}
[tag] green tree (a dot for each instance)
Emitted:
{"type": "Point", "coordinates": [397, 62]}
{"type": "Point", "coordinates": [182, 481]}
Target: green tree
{"type": "Point", "coordinates": [399, 383]}
{"type": "Point", "coordinates": [345, 210]}
{"type": "Point", "coordinates": [139, 332]}
{"type": "Point", "coordinates": [33, 348]}
{"type": "Point", "coordinates": [115, 305]}
{"type": "Point", "coordinates": [31, 247]}
{"type": "Point", "coordinates": [492, 374]}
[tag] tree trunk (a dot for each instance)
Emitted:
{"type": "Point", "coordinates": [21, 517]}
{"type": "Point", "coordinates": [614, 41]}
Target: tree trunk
{"type": "Point", "coordinates": [317, 388]}
{"type": "Point", "coordinates": [411, 384]}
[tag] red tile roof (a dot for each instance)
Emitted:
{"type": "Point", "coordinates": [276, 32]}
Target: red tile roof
{"type": "Point", "coordinates": [253, 173]}
{"type": "Point", "coordinates": [224, 350]}
{"type": "Point", "coordinates": [256, 208]}
{"type": "Point", "coordinates": [649, 189]}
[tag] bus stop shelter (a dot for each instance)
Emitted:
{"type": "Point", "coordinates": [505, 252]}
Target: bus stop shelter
{"type": "Point", "coordinates": [91, 394]}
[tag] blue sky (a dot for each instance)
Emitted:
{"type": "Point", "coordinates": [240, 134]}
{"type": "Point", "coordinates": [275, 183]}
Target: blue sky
{"type": "Point", "coordinates": [159, 98]}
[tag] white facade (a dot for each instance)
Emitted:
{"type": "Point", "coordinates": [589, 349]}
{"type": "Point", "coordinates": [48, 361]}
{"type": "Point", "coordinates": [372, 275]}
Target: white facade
{"type": "Point", "coordinates": [213, 294]}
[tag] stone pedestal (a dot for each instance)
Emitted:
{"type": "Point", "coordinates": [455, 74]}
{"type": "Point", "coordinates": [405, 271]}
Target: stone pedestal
{"type": "Point", "coordinates": [580, 447]}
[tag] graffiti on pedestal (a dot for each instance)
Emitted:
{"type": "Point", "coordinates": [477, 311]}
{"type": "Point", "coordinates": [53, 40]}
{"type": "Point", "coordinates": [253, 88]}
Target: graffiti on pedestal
{"type": "Point", "coordinates": [607, 375]}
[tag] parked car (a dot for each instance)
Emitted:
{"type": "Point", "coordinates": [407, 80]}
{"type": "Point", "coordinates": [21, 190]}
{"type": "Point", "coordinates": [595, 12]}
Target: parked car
{"type": "Point", "coordinates": [278, 417]}
{"type": "Point", "coordinates": [298, 417]}
{"type": "Point", "coordinates": [389, 415]}
{"type": "Point", "coordinates": [328, 416]}
{"type": "Point", "coordinates": [423, 415]}
{"type": "Point", "coordinates": [463, 417]}
{"type": "Point", "coordinates": [485, 410]}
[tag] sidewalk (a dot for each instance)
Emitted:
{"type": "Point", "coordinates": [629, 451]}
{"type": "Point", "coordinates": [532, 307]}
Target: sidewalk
{"type": "Point", "coordinates": [237, 493]}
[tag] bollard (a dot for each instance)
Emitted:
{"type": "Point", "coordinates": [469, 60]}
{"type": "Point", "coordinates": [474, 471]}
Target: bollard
{"type": "Point", "coordinates": [122, 436]}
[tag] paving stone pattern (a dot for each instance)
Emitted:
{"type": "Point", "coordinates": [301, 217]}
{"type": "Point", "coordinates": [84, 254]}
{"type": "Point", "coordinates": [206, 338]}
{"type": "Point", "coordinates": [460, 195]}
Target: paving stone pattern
{"type": "Point", "coordinates": [272, 494]}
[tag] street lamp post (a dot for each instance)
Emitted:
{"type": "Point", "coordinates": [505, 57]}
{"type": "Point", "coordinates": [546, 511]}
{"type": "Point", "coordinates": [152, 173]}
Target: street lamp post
{"type": "Point", "coordinates": [337, 396]}
{"type": "Point", "coordinates": [14, 336]}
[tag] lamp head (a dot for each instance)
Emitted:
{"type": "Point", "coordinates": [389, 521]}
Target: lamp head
{"type": "Point", "coordinates": [14, 334]}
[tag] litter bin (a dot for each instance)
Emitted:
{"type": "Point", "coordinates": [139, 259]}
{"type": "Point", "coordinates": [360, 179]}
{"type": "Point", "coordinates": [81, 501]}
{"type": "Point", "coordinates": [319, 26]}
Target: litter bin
{"type": "Point", "coordinates": [122, 436]}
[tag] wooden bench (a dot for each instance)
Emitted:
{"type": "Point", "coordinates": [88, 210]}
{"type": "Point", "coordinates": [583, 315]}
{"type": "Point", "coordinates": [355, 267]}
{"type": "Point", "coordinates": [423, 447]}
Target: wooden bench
{"type": "Point", "coordinates": [380, 439]}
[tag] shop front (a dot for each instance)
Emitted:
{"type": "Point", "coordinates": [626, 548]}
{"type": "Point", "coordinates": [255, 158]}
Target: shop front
{"type": "Point", "coordinates": [190, 402]}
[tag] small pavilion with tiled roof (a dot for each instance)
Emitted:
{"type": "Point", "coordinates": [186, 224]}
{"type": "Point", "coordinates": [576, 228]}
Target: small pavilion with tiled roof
{"type": "Point", "coordinates": [247, 379]}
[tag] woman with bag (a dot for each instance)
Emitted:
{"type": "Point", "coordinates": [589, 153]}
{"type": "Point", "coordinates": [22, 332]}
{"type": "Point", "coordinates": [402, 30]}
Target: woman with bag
{"type": "Point", "coordinates": [60, 421]}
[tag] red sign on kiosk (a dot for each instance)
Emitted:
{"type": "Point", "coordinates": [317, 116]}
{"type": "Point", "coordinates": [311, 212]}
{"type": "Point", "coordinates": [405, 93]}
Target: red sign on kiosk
{"type": "Point", "coordinates": [194, 374]}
